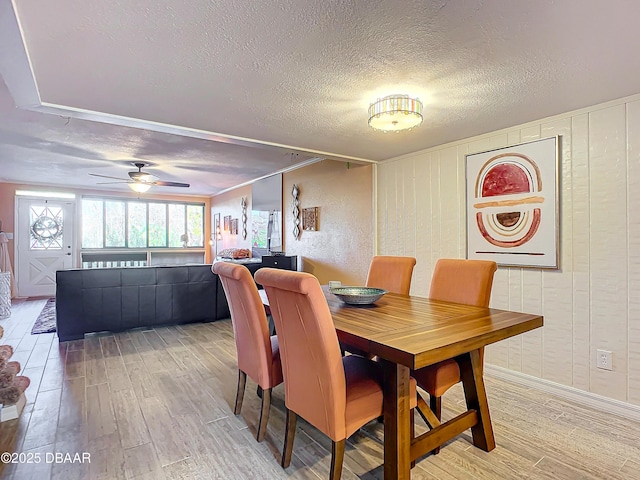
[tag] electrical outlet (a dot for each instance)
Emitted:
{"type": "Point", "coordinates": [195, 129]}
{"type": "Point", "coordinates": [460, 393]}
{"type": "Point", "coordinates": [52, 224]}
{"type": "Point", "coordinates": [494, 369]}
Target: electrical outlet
{"type": "Point", "coordinates": [604, 359]}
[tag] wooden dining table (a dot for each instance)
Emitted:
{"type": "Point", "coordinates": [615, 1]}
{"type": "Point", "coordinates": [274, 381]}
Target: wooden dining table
{"type": "Point", "coordinates": [407, 333]}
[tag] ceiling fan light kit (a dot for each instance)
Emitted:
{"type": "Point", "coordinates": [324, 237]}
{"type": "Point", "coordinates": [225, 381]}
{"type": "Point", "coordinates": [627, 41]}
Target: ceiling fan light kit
{"type": "Point", "coordinates": [139, 187]}
{"type": "Point", "coordinates": [394, 113]}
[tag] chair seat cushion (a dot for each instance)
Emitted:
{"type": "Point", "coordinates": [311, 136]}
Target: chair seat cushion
{"type": "Point", "coordinates": [364, 391]}
{"type": "Point", "coordinates": [438, 378]}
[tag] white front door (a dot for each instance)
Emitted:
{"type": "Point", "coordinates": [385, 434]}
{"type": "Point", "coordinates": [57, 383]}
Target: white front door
{"type": "Point", "coordinates": [45, 243]}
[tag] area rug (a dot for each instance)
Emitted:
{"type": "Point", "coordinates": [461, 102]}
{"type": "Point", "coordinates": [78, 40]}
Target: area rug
{"type": "Point", "coordinates": [46, 321]}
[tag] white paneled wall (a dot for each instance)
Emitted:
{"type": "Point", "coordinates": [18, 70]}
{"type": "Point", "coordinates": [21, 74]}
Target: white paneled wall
{"type": "Point", "coordinates": [593, 300]}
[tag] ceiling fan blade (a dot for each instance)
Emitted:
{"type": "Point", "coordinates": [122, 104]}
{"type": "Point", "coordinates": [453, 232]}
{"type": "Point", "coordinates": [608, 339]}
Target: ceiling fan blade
{"type": "Point", "coordinates": [110, 183]}
{"type": "Point", "coordinates": [160, 183]}
{"type": "Point", "coordinates": [107, 176]}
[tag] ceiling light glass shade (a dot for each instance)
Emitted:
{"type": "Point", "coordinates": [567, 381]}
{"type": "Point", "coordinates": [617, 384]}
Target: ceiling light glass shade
{"type": "Point", "coordinates": [139, 187]}
{"type": "Point", "coordinates": [395, 113]}
{"type": "Point", "coordinates": [146, 177]}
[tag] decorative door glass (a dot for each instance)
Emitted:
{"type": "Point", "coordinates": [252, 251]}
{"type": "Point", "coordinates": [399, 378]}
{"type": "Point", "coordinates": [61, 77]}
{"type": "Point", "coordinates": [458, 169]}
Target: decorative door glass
{"type": "Point", "coordinates": [47, 226]}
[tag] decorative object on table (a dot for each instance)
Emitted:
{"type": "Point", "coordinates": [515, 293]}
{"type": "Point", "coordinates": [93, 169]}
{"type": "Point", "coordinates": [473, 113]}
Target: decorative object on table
{"type": "Point", "coordinates": [512, 204]}
{"type": "Point", "coordinates": [310, 219]}
{"type": "Point", "coordinates": [358, 295]}
{"type": "Point", "coordinates": [46, 321]}
{"type": "Point", "coordinates": [234, 226]}
{"type": "Point", "coordinates": [12, 385]}
{"type": "Point", "coordinates": [243, 203]}
{"type": "Point", "coordinates": [295, 191]}
{"type": "Point", "coordinates": [395, 113]}
{"type": "Point", "coordinates": [227, 223]}
{"type": "Point", "coordinates": [235, 253]}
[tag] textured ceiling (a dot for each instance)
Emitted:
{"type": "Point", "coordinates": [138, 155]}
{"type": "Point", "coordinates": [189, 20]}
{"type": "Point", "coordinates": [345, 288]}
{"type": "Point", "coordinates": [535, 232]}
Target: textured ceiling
{"type": "Point", "coordinates": [293, 78]}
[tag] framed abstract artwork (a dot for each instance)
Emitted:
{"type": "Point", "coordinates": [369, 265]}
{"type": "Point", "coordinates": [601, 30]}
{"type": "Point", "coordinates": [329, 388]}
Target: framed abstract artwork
{"type": "Point", "coordinates": [513, 204]}
{"type": "Point", "coordinates": [310, 219]}
{"type": "Point", "coordinates": [227, 223]}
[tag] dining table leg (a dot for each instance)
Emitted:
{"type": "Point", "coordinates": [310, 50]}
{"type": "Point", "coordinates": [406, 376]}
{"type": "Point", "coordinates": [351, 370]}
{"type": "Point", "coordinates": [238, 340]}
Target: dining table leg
{"type": "Point", "coordinates": [476, 397]}
{"type": "Point", "coordinates": [397, 422]}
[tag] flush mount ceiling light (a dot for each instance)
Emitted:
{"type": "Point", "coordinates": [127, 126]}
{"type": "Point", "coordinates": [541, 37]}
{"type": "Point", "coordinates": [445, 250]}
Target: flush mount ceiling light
{"type": "Point", "coordinates": [139, 187]}
{"type": "Point", "coordinates": [395, 113]}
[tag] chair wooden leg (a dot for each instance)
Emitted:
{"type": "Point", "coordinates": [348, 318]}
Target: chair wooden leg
{"type": "Point", "coordinates": [289, 436]}
{"type": "Point", "coordinates": [264, 414]}
{"type": "Point", "coordinates": [412, 426]}
{"type": "Point", "coordinates": [337, 457]}
{"type": "Point", "coordinates": [436, 406]}
{"type": "Point", "coordinates": [242, 381]}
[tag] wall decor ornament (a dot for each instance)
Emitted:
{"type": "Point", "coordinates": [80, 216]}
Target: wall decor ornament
{"type": "Point", "coordinates": [243, 203]}
{"type": "Point", "coordinates": [310, 219]}
{"type": "Point", "coordinates": [513, 204]}
{"type": "Point", "coordinates": [295, 192]}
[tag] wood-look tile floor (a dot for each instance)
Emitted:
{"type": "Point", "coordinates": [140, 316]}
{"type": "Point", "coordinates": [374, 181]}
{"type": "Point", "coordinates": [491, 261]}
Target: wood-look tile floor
{"type": "Point", "coordinates": [157, 404]}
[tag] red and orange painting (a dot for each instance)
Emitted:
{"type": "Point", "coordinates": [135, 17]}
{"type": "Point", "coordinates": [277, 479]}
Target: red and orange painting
{"type": "Point", "coordinates": [512, 204]}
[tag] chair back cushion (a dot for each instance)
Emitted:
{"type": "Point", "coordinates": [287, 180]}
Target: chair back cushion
{"type": "Point", "coordinates": [391, 273]}
{"type": "Point", "coordinates": [314, 377]}
{"type": "Point", "coordinates": [250, 327]}
{"type": "Point", "coordinates": [463, 281]}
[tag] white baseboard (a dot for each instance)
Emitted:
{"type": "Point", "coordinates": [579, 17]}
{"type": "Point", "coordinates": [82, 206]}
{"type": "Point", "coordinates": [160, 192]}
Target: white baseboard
{"type": "Point", "coordinates": [588, 399]}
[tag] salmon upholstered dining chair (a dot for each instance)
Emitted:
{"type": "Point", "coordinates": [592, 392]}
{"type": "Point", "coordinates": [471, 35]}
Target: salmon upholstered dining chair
{"type": "Point", "coordinates": [459, 281]}
{"type": "Point", "coordinates": [258, 352]}
{"type": "Point", "coordinates": [335, 394]}
{"type": "Point", "coordinates": [390, 273]}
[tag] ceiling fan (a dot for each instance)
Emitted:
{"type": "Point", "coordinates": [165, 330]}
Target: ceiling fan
{"type": "Point", "coordinates": [140, 181]}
